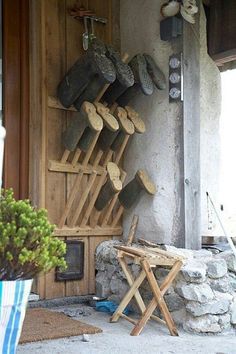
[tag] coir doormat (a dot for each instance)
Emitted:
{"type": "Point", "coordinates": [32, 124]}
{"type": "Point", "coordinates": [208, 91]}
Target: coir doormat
{"type": "Point", "coordinates": [41, 324]}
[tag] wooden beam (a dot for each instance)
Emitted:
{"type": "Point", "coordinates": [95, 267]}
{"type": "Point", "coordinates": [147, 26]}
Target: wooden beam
{"type": "Point", "coordinates": [191, 133]}
{"type": "Point", "coordinates": [57, 166]}
{"type": "Point", "coordinates": [88, 231]}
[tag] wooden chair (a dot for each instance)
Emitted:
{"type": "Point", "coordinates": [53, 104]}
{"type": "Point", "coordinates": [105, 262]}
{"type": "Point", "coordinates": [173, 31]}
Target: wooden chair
{"type": "Point", "coordinates": [148, 258]}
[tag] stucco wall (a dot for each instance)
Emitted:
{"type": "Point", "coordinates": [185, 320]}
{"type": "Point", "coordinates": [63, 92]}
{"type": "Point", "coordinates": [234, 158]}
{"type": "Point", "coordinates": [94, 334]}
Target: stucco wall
{"type": "Point", "coordinates": [159, 150]}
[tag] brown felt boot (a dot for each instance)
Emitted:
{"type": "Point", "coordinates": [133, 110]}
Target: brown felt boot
{"type": "Point", "coordinates": [138, 123]}
{"type": "Point", "coordinates": [132, 191]}
{"type": "Point", "coordinates": [112, 186]}
{"type": "Point", "coordinates": [88, 120]}
{"type": "Point", "coordinates": [109, 121]}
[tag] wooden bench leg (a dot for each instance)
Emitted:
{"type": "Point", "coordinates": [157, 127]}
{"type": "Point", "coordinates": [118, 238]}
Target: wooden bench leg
{"type": "Point", "coordinates": [154, 303]}
{"type": "Point", "coordinates": [128, 296]}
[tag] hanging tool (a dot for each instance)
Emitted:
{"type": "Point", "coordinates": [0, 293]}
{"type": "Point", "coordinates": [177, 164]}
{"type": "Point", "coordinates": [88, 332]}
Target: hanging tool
{"type": "Point", "coordinates": [85, 34]}
{"type": "Point", "coordinates": [222, 226]}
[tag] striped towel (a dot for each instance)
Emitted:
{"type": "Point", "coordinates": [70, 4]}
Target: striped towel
{"type": "Point", "coordinates": [13, 301]}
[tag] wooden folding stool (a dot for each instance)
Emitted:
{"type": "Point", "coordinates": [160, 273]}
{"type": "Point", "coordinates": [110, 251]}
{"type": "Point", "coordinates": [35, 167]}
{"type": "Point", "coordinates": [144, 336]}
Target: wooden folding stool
{"type": "Point", "coordinates": [148, 258]}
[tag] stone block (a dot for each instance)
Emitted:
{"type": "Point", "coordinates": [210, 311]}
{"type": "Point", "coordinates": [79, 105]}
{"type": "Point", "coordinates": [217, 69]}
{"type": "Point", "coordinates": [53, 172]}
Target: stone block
{"type": "Point", "coordinates": [194, 292]}
{"type": "Point", "coordinates": [222, 284]}
{"type": "Point", "coordinates": [207, 323]}
{"type": "Point", "coordinates": [233, 313]}
{"type": "Point", "coordinates": [216, 268]}
{"type": "Point", "coordinates": [202, 254]}
{"type": "Point", "coordinates": [102, 285]}
{"type": "Point", "coordinates": [214, 307]}
{"type": "Point", "coordinates": [118, 287]}
{"type": "Point", "coordinates": [174, 302]}
{"type": "Point", "coordinates": [194, 271]}
{"type": "Point", "coordinates": [230, 259]}
{"type": "Point", "coordinates": [202, 324]}
{"type": "Point", "coordinates": [188, 254]}
{"type": "Point", "coordinates": [179, 316]}
{"type": "Point", "coordinates": [232, 280]}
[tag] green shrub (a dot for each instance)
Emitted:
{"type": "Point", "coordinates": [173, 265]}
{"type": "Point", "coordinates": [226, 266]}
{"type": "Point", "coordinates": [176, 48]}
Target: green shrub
{"type": "Point", "coordinates": [27, 246]}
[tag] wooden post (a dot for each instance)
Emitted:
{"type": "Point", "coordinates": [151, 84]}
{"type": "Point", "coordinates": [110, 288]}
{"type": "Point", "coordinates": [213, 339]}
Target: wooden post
{"type": "Point", "coordinates": [191, 133]}
{"type": "Point", "coordinates": [132, 230]}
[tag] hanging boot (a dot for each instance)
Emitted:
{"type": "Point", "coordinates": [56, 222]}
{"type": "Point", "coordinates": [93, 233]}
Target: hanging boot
{"type": "Point", "coordinates": [138, 123]}
{"type": "Point", "coordinates": [95, 66]}
{"type": "Point", "coordinates": [107, 137]}
{"type": "Point", "coordinates": [156, 74]}
{"type": "Point", "coordinates": [126, 128]}
{"type": "Point", "coordinates": [142, 81]}
{"type": "Point", "coordinates": [109, 121]}
{"type": "Point", "coordinates": [112, 186]}
{"type": "Point", "coordinates": [132, 191]}
{"type": "Point", "coordinates": [124, 75]}
{"type": "Point", "coordinates": [87, 119]}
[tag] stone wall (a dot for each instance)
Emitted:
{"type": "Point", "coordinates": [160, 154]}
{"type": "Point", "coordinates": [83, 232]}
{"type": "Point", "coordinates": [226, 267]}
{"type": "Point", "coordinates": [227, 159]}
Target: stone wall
{"type": "Point", "coordinates": [202, 298]}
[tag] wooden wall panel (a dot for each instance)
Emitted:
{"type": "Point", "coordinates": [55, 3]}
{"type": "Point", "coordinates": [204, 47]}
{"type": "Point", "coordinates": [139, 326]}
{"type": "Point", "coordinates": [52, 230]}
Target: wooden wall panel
{"type": "Point", "coordinates": [60, 36]}
{"type": "Point", "coordinates": [16, 95]}
{"type": "Point", "coordinates": [222, 31]}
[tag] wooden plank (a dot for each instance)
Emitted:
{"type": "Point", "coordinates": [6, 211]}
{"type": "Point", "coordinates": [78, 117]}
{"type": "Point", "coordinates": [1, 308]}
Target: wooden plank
{"type": "Point", "coordinates": [56, 166]}
{"type": "Point", "coordinates": [222, 27]}
{"type": "Point", "coordinates": [191, 134]}
{"type": "Point", "coordinates": [53, 102]}
{"type": "Point", "coordinates": [224, 57]}
{"type": "Point", "coordinates": [55, 12]}
{"type": "Point", "coordinates": [38, 118]}
{"type": "Point", "coordinates": [88, 231]}
{"type": "Point", "coordinates": [80, 287]}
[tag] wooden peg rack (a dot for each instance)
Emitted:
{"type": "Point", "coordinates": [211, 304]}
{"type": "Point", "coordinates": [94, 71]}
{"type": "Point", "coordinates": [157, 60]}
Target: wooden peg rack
{"type": "Point", "coordinates": [80, 218]}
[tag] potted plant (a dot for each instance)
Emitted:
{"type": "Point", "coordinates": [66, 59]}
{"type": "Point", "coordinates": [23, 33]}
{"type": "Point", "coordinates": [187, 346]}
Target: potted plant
{"type": "Point", "coordinates": [26, 249]}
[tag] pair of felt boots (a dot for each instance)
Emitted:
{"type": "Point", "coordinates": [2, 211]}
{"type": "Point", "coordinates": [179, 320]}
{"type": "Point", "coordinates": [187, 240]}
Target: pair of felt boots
{"type": "Point", "coordinates": [103, 65]}
{"type": "Point", "coordinates": [128, 195]}
{"type": "Point", "coordinates": [96, 117]}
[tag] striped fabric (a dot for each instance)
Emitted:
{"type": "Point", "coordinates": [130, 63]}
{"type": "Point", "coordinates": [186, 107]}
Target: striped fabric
{"type": "Point", "coordinates": [13, 301]}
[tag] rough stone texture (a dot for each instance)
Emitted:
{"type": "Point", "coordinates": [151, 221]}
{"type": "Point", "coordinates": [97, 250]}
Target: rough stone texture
{"type": "Point", "coordinates": [192, 292]}
{"type": "Point", "coordinates": [222, 284]}
{"type": "Point", "coordinates": [174, 302]}
{"type": "Point", "coordinates": [229, 257]}
{"type": "Point", "coordinates": [216, 268]}
{"type": "Point", "coordinates": [102, 285]}
{"type": "Point", "coordinates": [197, 301]}
{"type": "Point", "coordinates": [214, 307]}
{"type": "Point", "coordinates": [194, 272]}
{"type": "Point", "coordinates": [233, 313]}
{"type": "Point", "coordinates": [207, 324]}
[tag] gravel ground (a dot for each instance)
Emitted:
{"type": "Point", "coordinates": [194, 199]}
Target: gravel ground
{"type": "Point", "coordinates": [115, 339]}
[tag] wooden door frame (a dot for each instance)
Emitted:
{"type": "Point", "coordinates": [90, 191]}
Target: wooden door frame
{"type": "Point", "coordinates": [16, 95]}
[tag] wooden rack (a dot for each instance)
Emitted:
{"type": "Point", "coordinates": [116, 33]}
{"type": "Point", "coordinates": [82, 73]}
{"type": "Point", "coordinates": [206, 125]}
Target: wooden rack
{"type": "Point", "coordinates": [75, 220]}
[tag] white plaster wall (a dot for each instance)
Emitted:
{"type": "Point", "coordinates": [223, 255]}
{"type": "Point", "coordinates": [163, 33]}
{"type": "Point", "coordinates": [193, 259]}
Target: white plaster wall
{"type": "Point", "coordinates": [210, 101]}
{"type": "Point", "coordinates": [158, 149]}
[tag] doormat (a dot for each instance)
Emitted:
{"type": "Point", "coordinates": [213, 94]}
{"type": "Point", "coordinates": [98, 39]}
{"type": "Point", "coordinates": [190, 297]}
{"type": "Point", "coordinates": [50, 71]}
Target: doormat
{"type": "Point", "coordinates": [41, 324]}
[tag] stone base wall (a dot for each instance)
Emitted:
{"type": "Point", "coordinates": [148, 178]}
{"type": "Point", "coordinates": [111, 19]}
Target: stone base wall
{"type": "Point", "coordinates": [202, 298]}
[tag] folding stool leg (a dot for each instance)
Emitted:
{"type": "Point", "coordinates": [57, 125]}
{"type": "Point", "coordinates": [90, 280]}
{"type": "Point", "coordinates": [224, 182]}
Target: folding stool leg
{"type": "Point", "coordinates": [128, 297]}
{"type": "Point", "coordinates": [153, 304]}
{"type": "Point", "coordinates": [130, 280]}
